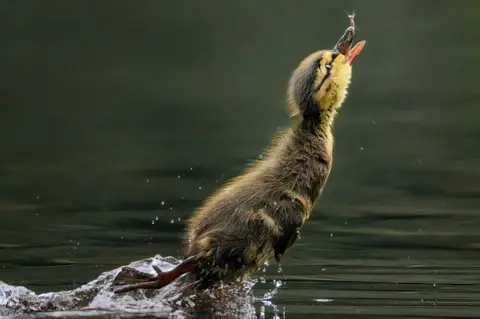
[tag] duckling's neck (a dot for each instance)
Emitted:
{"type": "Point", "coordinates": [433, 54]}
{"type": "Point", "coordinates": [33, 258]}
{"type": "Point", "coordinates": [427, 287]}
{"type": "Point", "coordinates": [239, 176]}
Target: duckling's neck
{"type": "Point", "coordinates": [319, 124]}
{"type": "Point", "coordinates": [303, 158]}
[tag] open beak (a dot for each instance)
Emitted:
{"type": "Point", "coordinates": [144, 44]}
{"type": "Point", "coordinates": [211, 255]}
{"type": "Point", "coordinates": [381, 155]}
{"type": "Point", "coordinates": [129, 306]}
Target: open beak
{"type": "Point", "coordinates": [344, 45]}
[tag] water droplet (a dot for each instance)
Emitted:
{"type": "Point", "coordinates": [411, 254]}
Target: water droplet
{"type": "Point", "coordinates": [323, 269]}
{"type": "Point", "coordinates": [346, 223]}
{"type": "Point", "coordinates": [163, 203]}
{"type": "Point", "coordinates": [331, 235]}
{"type": "Point", "coordinates": [298, 234]}
{"type": "Point", "coordinates": [260, 156]}
{"type": "Point", "coordinates": [434, 284]}
{"type": "Point", "coordinates": [361, 148]}
{"type": "Point", "coordinates": [199, 187]}
{"type": "Point", "coordinates": [179, 219]}
{"type": "Point", "coordinates": [172, 221]}
{"type": "Point", "coordinates": [38, 197]}
{"type": "Point", "coordinates": [121, 237]}
{"type": "Point", "coordinates": [171, 208]}
{"type": "Point", "coordinates": [191, 168]}
{"type": "Point", "coordinates": [262, 312]}
{"type": "Point", "coordinates": [148, 181]}
{"type": "Point", "coordinates": [178, 176]}
{"type": "Point", "coordinates": [156, 217]}
{"type": "Point", "coordinates": [153, 222]}
{"type": "Point", "coordinates": [322, 300]}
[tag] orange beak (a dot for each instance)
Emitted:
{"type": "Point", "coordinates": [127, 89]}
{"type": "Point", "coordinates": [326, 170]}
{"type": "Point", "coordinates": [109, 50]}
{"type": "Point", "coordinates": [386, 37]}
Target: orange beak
{"type": "Point", "coordinates": [345, 43]}
{"type": "Point", "coordinates": [352, 54]}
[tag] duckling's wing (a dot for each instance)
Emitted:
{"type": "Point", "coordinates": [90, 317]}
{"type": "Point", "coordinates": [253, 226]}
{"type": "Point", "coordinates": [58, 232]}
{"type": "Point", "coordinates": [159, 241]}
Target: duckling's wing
{"type": "Point", "coordinates": [291, 227]}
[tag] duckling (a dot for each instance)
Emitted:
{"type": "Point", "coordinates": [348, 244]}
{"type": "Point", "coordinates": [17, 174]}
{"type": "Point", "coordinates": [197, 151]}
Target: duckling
{"type": "Point", "coordinates": [258, 215]}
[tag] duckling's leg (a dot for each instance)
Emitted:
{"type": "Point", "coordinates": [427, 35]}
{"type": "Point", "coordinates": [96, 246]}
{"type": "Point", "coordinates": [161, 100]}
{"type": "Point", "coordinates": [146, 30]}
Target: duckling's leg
{"type": "Point", "coordinates": [163, 278]}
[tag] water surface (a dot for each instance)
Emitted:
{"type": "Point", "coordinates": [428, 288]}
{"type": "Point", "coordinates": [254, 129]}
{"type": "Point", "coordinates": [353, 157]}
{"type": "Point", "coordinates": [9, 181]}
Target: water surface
{"type": "Point", "coordinates": [117, 120]}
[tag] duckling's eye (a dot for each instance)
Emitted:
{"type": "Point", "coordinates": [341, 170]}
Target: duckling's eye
{"type": "Point", "coordinates": [328, 67]}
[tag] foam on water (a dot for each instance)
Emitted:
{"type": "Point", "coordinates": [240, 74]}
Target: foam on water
{"type": "Point", "coordinates": [97, 297]}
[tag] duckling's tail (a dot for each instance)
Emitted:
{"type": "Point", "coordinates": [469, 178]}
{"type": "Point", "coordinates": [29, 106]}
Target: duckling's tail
{"type": "Point", "coordinates": [163, 278]}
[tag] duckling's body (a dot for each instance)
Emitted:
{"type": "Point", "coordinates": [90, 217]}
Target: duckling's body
{"type": "Point", "coordinates": [258, 215]}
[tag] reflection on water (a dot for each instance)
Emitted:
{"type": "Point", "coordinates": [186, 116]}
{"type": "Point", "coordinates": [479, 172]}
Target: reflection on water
{"type": "Point", "coordinates": [113, 128]}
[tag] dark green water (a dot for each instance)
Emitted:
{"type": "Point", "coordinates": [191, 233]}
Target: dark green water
{"type": "Point", "coordinates": [118, 118]}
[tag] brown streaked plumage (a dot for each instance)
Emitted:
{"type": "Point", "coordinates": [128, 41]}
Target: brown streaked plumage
{"type": "Point", "coordinates": [258, 215]}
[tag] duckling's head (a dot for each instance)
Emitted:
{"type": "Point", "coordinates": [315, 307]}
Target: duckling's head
{"type": "Point", "coordinates": [321, 80]}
